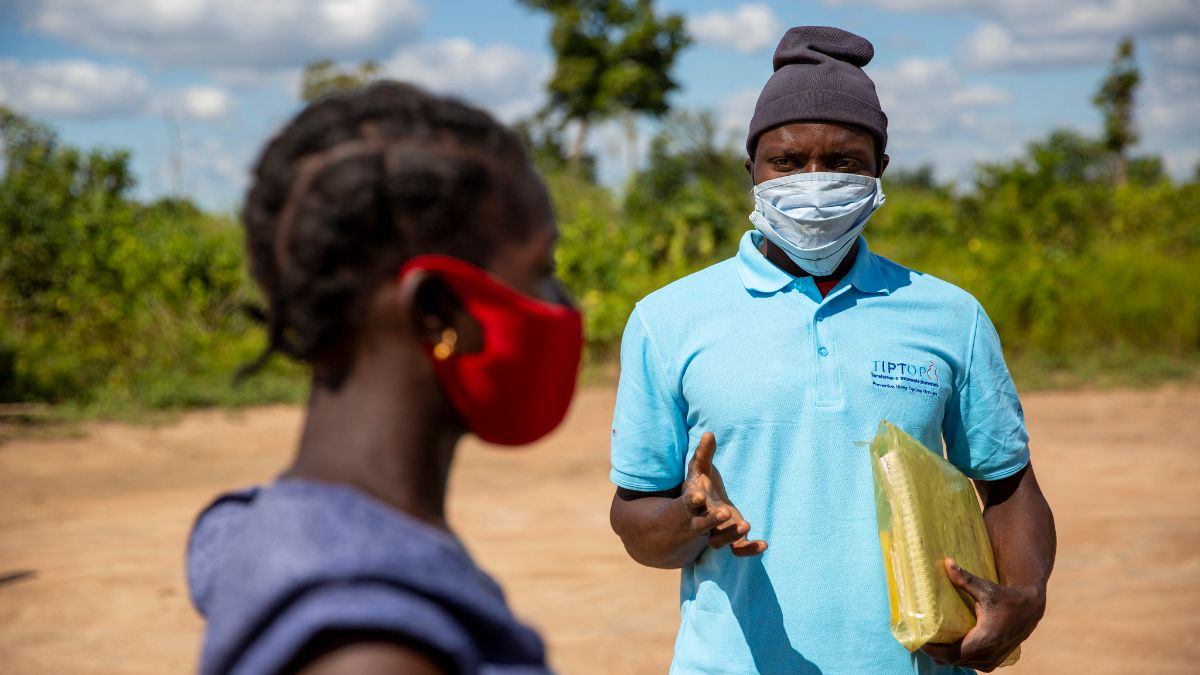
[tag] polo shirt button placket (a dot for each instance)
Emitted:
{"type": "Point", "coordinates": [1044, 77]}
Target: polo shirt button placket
{"type": "Point", "coordinates": [828, 384]}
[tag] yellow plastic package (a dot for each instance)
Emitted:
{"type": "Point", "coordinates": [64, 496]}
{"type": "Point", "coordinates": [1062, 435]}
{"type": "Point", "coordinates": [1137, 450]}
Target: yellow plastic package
{"type": "Point", "coordinates": [927, 512]}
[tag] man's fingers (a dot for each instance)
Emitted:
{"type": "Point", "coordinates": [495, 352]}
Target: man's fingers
{"type": "Point", "coordinates": [727, 534]}
{"type": "Point", "coordinates": [746, 548]}
{"type": "Point", "coordinates": [702, 460]}
{"type": "Point", "coordinates": [948, 654]}
{"type": "Point", "coordinates": [696, 502]}
{"type": "Point", "coordinates": [977, 648]}
{"type": "Point", "coordinates": [704, 523]}
{"type": "Point", "coordinates": [982, 590]}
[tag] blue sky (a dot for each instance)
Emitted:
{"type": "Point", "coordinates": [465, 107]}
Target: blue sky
{"type": "Point", "coordinates": [208, 81]}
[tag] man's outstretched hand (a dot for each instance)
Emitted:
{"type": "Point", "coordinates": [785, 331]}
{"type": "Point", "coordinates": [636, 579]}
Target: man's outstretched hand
{"type": "Point", "coordinates": [712, 513]}
{"type": "Point", "coordinates": [1004, 617]}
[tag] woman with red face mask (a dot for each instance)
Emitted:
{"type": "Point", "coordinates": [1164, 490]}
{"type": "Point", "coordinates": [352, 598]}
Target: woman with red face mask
{"type": "Point", "coordinates": [404, 245]}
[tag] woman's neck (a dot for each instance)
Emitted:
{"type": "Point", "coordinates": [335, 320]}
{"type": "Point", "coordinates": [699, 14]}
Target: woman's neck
{"type": "Point", "coordinates": [387, 431]}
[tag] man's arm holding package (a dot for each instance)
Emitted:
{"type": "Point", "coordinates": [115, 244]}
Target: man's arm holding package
{"type": "Point", "coordinates": [985, 434]}
{"type": "Point", "coordinates": [1021, 528]}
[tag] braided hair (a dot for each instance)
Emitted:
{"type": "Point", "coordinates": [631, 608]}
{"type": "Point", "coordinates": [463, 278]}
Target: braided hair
{"type": "Point", "coordinates": [354, 186]}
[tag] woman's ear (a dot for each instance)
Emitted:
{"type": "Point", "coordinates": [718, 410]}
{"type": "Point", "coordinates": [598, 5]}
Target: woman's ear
{"type": "Point", "coordinates": [433, 313]}
{"type": "Point", "coordinates": [423, 305]}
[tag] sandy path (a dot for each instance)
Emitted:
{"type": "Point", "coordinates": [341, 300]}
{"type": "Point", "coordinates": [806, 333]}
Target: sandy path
{"type": "Point", "coordinates": [102, 521]}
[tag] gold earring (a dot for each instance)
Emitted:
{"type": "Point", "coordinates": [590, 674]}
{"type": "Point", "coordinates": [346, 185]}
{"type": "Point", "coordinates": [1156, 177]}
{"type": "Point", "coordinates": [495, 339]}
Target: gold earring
{"type": "Point", "coordinates": [443, 349]}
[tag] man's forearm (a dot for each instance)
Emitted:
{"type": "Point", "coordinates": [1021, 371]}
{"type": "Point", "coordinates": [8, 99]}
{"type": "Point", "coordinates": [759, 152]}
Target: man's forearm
{"type": "Point", "coordinates": [656, 530]}
{"type": "Point", "coordinates": [1021, 528]}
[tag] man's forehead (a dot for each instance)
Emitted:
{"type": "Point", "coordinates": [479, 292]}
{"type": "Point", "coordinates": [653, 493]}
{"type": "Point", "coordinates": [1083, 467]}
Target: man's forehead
{"type": "Point", "coordinates": [822, 133]}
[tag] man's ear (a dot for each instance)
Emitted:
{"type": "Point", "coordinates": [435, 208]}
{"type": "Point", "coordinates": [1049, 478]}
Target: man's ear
{"type": "Point", "coordinates": [750, 168]}
{"type": "Point", "coordinates": [883, 164]}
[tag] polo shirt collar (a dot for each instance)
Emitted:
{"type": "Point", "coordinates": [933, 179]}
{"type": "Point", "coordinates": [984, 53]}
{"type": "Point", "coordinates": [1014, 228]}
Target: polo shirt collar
{"type": "Point", "coordinates": [865, 274]}
{"type": "Point", "coordinates": [762, 276]}
{"type": "Point", "coordinates": [759, 274]}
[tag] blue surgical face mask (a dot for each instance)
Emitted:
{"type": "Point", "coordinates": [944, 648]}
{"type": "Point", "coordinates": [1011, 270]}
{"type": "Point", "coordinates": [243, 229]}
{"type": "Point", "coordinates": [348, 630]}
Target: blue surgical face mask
{"type": "Point", "coordinates": [815, 217]}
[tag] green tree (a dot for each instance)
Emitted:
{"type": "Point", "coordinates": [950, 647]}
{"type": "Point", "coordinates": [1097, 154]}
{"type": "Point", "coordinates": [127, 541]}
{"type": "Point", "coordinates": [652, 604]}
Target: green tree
{"type": "Point", "coordinates": [1146, 170]}
{"type": "Point", "coordinates": [547, 149]}
{"type": "Point", "coordinates": [694, 184]}
{"type": "Point", "coordinates": [325, 77]}
{"type": "Point", "coordinates": [1115, 99]}
{"type": "Point", "coordinates": [611, 56]}
{"type": "Point", "coordinates": [1054, 197]}
{"type": "Point", "coordinates": [917, 178]}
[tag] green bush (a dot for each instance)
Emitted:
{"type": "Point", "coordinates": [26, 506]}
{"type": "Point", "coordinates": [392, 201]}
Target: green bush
{"type": "Point", "coordinates": [109, 303]}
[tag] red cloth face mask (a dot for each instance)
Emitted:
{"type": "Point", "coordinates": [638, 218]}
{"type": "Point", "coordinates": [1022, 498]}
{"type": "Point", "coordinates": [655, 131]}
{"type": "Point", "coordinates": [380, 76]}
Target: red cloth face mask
{"type": "Point", "coordinates": [518, 387]}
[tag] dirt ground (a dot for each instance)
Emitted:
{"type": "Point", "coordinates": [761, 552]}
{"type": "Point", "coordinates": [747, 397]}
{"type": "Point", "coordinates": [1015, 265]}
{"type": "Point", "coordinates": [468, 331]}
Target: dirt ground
{"type": "Point", "coordinates": [101, 522]}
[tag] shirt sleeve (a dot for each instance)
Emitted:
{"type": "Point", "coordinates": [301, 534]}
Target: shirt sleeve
{"type": "Point", "coordinates": [649, 432]}
{"type": "Point", "coordinates": [984, 425]}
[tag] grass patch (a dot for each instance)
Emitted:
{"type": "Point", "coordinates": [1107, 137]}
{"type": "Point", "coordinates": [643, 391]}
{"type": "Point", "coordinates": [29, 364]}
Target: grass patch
{"type": "Point", "coordinates": [1103, 370]}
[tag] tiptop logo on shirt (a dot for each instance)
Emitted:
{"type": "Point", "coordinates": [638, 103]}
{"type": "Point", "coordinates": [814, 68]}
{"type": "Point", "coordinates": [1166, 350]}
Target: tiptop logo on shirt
{"type": "Point", "coordinates": [906, 376]}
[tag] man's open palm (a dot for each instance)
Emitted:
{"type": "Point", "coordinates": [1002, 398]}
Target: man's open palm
{"type": "Point", "coordinates": [712, 513]}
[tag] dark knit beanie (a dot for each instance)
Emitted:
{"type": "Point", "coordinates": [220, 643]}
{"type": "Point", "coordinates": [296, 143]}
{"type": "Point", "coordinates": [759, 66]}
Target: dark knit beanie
{"type": "Point", "coordinates": [818, 77]}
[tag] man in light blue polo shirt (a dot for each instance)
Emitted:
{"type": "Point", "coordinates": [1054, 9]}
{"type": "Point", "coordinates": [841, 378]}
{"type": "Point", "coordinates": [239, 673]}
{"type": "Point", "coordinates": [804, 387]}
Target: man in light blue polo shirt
{"type": "Point", "coordinates": [746, 389]}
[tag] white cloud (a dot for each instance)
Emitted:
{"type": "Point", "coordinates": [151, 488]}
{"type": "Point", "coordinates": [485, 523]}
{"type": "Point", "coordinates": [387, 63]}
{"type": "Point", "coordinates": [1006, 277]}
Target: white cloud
{"type": "Point", "coordinates": [208, 171]}
{"type": "Point", "coordinates": [1032, 34]}
{"type": "Point", "coordinates": [284, 79]}
{"type": "Point", "coordinates": [915, 74]}
{"type": "Point", "coordinates": [206, 102]}
{"type": "Point", "coordinates": [1060, 17]}
{"type": "Point", "coordinates": [734, 113]}
{"type": "Point", "coordinates": [748, 28]}
{"type": "Point", "coordinates": [506, 80]}
{"type": "Point", "coordinates": [71, 88]}
{"type": "Point", "coordinates": [214, 170]}
{"type": "Point", "coordinates": [979, 96]}
{"type": "Point", "coordinates": [914, 5]}
{"type": "Point", "coordinates": [915, 95]}
{"type": "Point", "coordinates": [935, 116]}
{"type": "Point", "coordinates": [229, 33]}
{"type": "Point", "coordinates": [1110, 17]}
{"type": "Point", "coordinates": [202, 103]}
{"type": "Point", "coordinates": [994, 46]}
{"type": "Point", "coordinates": [609, 144]}
{"type": "Point", "coordinates": [1168, 113]}
{"type": "Point", "coordinates": [1039, 33]}
{"type": "Point", "coordinates": [84, 89]}
{"type": "Point", "coordinates": [1181, 52]}
{"type": "Point", "coordinates": [1169, 107]}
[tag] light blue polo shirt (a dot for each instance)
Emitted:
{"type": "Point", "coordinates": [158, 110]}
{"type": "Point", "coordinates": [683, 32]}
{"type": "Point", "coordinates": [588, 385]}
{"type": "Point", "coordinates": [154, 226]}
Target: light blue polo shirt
{"type": "Point", "coordinates": [790, 383]}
